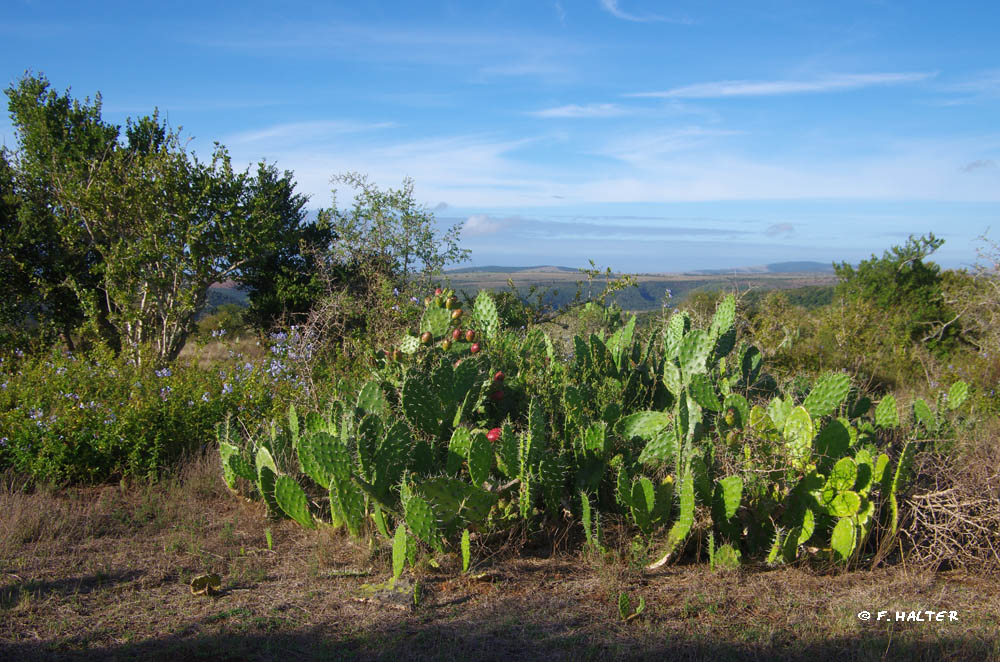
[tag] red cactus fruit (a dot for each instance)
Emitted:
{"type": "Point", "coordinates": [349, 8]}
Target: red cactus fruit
{"type": "Point", "coordinates": [493, 435]}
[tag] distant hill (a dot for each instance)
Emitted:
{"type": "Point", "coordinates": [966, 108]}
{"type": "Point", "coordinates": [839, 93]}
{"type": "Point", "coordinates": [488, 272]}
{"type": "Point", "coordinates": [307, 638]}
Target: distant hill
{"type": "Point", "coordinates": [511, 270]}
{"type": "Point", "coordinates": [776, 268]}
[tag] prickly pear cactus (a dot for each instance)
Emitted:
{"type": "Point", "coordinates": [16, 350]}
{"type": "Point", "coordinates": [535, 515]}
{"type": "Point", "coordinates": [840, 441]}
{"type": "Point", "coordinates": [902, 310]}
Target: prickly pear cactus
{"type": "Point", "coordinates": [421, 405]}
{"type": "Point", "coordinates": [422, 522]}
{"type": "Point", "coordinates": [293, 501]}
{"type": "Point", "coordinates": [827, 395]}
{"type": "Point", "coordinates": [484, 311]}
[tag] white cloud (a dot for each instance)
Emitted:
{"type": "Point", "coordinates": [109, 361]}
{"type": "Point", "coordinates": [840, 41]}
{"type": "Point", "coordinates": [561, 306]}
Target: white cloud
{"type": "Point", "coordinates": [588, 110]}
{"type": "Point", "coordinates": [746, 88]}
{"type": "Point", "coordinates": [611, 6]}
{"type": "Point", "coordinates": [482, 224]}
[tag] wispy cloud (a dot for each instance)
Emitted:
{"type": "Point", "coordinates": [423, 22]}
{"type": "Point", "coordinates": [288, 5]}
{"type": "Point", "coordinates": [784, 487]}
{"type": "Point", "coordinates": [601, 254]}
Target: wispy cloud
{"type": "Point", "coordinates": [611, 6]}
{"type": "Point", "coordinates": [747, 88]}
{"type": "Point", "coordinates": [588, 110]}
{"type": "Point", "coordinates": [313, 131]}
{"type": "Point", "coordinates": [780, 229]}
{"type": "Point", "coordinates": [978, 164]}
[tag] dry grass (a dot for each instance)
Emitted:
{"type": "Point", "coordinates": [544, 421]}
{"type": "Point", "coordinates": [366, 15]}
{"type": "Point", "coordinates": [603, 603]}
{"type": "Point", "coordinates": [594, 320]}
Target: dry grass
{"type": "Point", "coordinates": [102, 573]}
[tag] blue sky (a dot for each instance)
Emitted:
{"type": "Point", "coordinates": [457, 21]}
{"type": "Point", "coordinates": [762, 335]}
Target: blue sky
{"type": "Point", "coordinates": [646, 136]}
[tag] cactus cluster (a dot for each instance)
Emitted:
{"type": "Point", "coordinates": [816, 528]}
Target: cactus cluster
{"type": "Point", "coordinates": [682, 434]}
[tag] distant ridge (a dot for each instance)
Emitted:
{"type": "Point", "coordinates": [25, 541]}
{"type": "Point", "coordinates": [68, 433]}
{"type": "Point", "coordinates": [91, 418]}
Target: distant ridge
{"type": "Point", "coordinates": [775, 268]}
{"type": "Point", "coordinates": [510, 270]}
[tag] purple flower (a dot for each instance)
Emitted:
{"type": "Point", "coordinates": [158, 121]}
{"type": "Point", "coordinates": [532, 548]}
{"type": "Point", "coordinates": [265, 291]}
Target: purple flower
{"type": "Point", "coordinates": [204, 396]}
{"type": "Point", "coordinates": [164, 392]}
{"type": "Point", "coordinates": [226, 388]}
{"type": "Point", "coordinates": [163, 373]}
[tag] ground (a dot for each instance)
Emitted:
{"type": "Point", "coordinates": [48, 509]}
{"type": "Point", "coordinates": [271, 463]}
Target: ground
{"type": "Point", "coordinates": [103, 573]}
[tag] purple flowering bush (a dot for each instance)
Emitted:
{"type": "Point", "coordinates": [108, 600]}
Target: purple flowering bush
{"type": "Point", "coordinates": [95, 418]}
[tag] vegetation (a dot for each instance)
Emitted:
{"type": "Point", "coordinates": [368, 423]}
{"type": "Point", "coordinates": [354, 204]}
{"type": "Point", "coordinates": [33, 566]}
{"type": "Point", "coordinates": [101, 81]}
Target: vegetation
{"type": "Point", "coordinates": [362, 400]}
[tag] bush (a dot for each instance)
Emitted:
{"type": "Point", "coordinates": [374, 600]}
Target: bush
{"type": "Point", "coordinates": [93, 418]}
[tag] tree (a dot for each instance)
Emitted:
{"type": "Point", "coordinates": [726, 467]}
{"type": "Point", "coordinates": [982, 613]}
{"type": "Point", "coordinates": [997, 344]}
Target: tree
{"type": "Point", "coordinates": [43, 272]}
{"type": "Point", "coordinates": [127, 236]}
{"type": "Point", "coordinates": [907, 290]}
{"type": "Point", "coordinates": [390, 228]}
{"type": "Point", "coordinates": [282, 277]}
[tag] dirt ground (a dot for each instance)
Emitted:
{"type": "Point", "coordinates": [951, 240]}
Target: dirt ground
{"type": "Point", "coordinates": [104, 573]}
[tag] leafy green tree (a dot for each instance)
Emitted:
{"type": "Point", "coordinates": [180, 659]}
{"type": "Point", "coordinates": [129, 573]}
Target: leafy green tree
{"type": "Point", "coordinates": [126, 234]}
{"type": "Point", "coordinates": [282, 277]}
{"type": "Point", "coordinates": [907, 290]}
{"type": "Point", "coordinates": [44, 273]}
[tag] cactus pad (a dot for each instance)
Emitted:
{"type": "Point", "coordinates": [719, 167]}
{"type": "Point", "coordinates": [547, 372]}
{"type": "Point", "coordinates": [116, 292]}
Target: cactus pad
{"type": "Point", "coordinates": [798, 434]}
{"type": "Point", "coordinates": [371, 399]}
{"type": "Point", "coordinates": [422, 522]}
{"type": "Point", "coordinates": [957, 395]}
{"type": "Point", "coordinates": [293, 501]}
{"type": "Point", "coordinates": [484, 311]}
{"type": "Point", "coordinates": [480, 456]}
{"type": "Point", "coordinates": [436, 320]}
{"type": "Point", "coordinates": [827, 395]}
{"type": "Point", "coordinates": [886, 416]}
{"type": "Point", "coordinates": [702, 392]}
{"type": "Point", "coordinates": [421, 406]}
{"type": "Point", "coordinates": [843, 538]}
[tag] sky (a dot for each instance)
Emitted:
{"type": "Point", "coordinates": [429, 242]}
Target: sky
{"type": "Point", "coordinates": [644, 136]}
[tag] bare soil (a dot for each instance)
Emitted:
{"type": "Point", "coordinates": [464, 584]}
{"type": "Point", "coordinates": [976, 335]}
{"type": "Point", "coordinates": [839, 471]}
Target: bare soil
{"type": "Point", "coordinates": [104, 573]}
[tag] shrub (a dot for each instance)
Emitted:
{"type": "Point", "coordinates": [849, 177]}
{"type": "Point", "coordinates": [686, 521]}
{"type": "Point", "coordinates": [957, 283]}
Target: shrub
{"type": "Point", "coordinates": [93, 418]}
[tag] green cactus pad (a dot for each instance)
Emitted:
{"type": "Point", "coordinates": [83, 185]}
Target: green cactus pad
{"type": "Point", "coordinates": [265, 485]}
{"type": "Point", "coordinates": [750, 365]}
{"type": "Point", "coordinates": [422, 522]}
{"type": "Point", "coordinates": [922, 412]}
{"type": "Point", "coordinates": [881, 463]}
{"type": "Point", "coordinates": [685, 520]}
{"type": "Point", "coordinates": [833, 440]}
{"type": "Point", "coordinates": [409, 344]}
{"type": "Point", "coordinates": [899, 480]}
{"type": "Point", "coordinates": [672, 377]}
{"type": "Point", "coordinates": [645, 424]}
{"type": "Point", "coordinates": [308, 463]}
{"type": "Point", "coordinates": [807, 527]}
{"type": "Point", "coordinates": [738, 404]}
{"type": "Point", "coordinates": [242, 468]}
{"type": "Point", "coordinates": [466, 551]}
{"type": "Point", "coordinates": [484, 311]}
{"type": "Point", "coordinates": [798, 434]}
{"type": "Point", "coordinates": [507, 451]}
{"type": "Point", "coordinates": [226, 451]}
{"type": "Point", "coordinates": [827, 395]}
{"type": "Point", "coordinates": [292, 499]}
{"type": "Point", "coordinates": [660, 448]}
{"type": "Point", "coordinates": [860, 407]}
{"type": "Point", "coordinates": [703, 392]}
{"type": "Point", "coordinates": [456, 503]}
{"type": "Point", "coordinates": [458, 450]}
{"type": "Point", "coordinates": [643, 503]}
{"type": "Point", "coordinates": [844, 475]}
{"type": "Point", "coordinates": [728, 557]}
{"type": "Point", "coordinates": [866, 471]}
{"type": "Point", "coordinates": [436, 320]}
{"type": "Point", "coordinates": [595, 438]}
{"type": "Point", "coordinates": [693, 353]}
{"type": "Point", "coordinates": [480, 456]}
{"type": "Point", "coordinates": [729, 492]}
{"type": "Point", "coordinates": [886, 416]}
{"type": "Point", "coordinates": [391, 457]}
{"type": "Point", "coordinates": [371, 399]}
{"type": "Point", "coordinates": [725, 315]}
{"type": "Point", "coordinates": [421, 406]}
{"type": "Point", "coordinates": [674, 333]}
{"type": "Point", "coordinates": [957, 395]}
{"type": "Point", "coordinates": [398, 551]}
{"type": "Point", "coordinates": [760, 420]}
{"type": "Point", "coordinates": [844, 504]}
{"type": "Point", "coordinates": [779, 410]}
{"type": "Point", "coordinates": [844, 538]}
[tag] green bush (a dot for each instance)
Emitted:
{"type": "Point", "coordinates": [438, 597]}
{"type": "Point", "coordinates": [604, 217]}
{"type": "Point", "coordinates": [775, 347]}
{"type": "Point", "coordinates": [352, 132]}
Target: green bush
{"type": "Point", "coordinates": [93, 418]}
